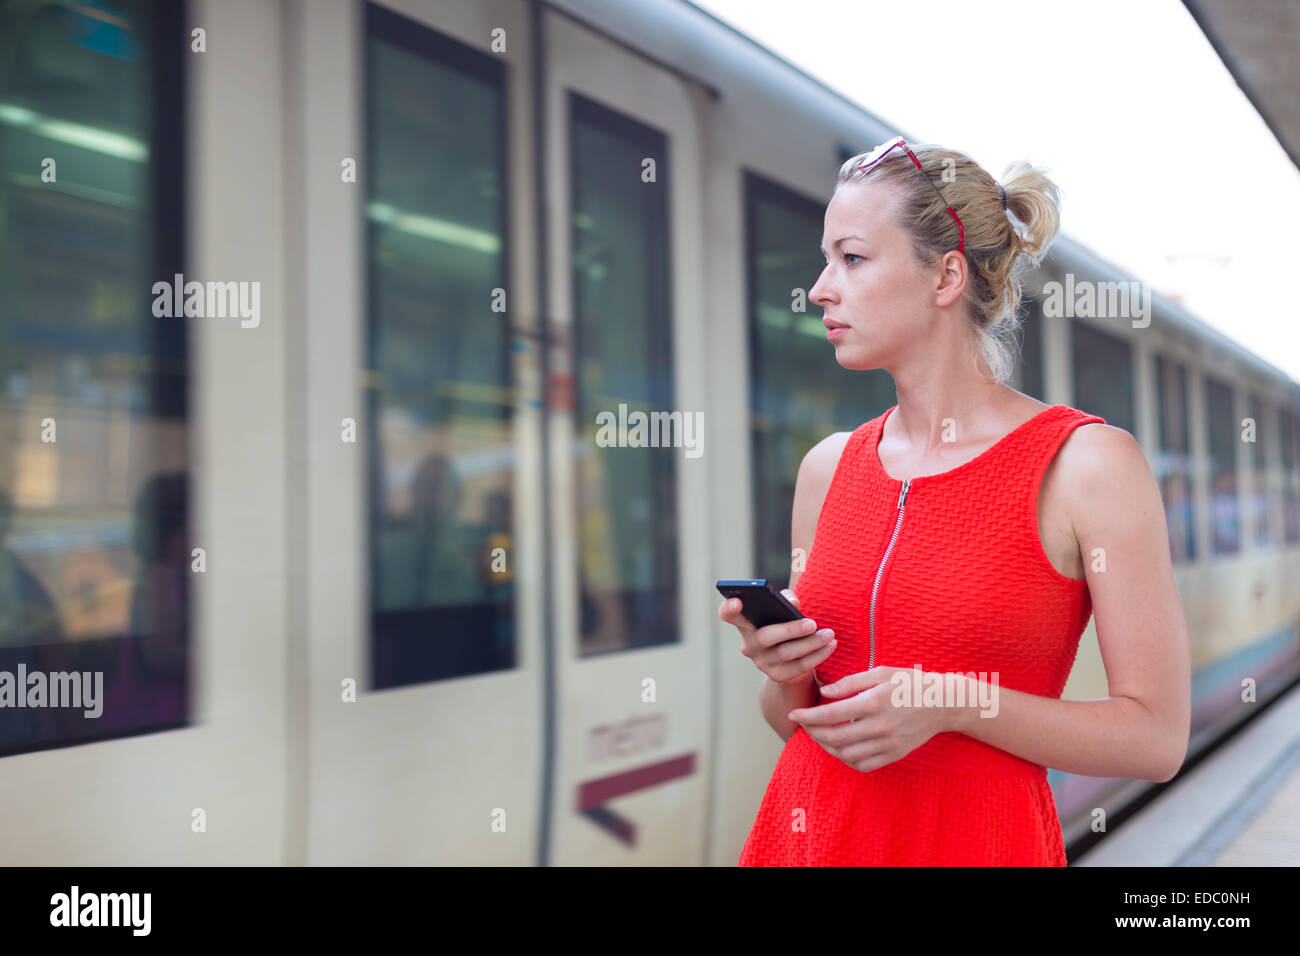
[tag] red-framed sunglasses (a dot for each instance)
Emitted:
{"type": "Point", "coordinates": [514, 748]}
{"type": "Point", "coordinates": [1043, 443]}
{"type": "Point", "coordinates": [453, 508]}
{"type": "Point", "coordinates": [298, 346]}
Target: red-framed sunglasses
{"type": "Point", "coordinates": [881, 151]}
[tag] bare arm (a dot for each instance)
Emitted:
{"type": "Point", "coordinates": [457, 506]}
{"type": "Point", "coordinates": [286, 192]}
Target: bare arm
{"type": "Point", "coordinates": [1141, 730]}
{"type": "Point", "coordinates": [777, 700]}
{"type": "Point", "coordinates": [810, 487]}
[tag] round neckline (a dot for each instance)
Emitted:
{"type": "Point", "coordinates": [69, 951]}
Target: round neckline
{"type": "Point", "coordinates": [880, 433]}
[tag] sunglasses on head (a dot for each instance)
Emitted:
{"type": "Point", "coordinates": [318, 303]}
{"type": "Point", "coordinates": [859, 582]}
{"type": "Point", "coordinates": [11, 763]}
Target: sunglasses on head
{"type": "Point", "coordinates": [881, 151]}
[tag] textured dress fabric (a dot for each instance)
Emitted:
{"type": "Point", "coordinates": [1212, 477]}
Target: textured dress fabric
{"type": "Point", "coordinates": [967, 588]}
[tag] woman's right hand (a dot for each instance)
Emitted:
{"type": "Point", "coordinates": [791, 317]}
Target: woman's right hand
{"type": "Point", "coordinates": [787, 652]}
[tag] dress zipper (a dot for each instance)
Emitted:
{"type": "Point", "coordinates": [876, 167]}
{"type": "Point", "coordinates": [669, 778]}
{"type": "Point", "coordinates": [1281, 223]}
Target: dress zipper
{"type": "Point", "coordinates": [898, 523]}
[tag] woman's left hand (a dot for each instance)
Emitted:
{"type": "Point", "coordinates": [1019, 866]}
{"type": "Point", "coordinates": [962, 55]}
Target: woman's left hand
{"type": "Point", "coordinates": [867, 729]}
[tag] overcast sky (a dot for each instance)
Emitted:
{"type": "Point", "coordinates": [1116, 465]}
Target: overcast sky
{"type": "Point", "coordinates": [1164, 166]}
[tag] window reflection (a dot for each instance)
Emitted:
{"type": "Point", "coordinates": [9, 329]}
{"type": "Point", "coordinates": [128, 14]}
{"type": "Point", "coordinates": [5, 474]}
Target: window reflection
{"type": "Point", "coordinates": [441, 404]}
{"type": "Point", "coordinates": [799, 394]}
{"type": "Point", "coordinates": [1173, 460]}
{"type": "Point", "coordinates": [627, 496]}
{"type": "Point", "coordinates": [1224, 436]}
{"type": "Point", "coordinates": [94, 513]}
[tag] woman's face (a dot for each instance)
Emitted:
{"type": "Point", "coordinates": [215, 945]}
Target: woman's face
{"type": "Point", "coordinates": [871, 282]}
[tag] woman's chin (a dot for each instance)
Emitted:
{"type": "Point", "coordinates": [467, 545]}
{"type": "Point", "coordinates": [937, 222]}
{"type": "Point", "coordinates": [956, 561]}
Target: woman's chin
{"type": "Point", "coordinates": [857, 360]}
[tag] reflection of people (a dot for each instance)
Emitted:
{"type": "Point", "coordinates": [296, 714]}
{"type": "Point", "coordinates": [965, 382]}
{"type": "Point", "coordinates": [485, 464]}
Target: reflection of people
{"type": "Point", "coordinates": [430, 559]}
{"type": "Point", "coordinates": [30, 634]}
{"type": "Point", "coordinates": [442, 607]}
{"type": "Point", "coordinates": [149, 683]}
{"type": "Point", "coordinates": [27, 613]}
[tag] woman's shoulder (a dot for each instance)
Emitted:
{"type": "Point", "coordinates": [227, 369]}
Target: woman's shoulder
{"type": "Point", "coordinates": [1096, 459]}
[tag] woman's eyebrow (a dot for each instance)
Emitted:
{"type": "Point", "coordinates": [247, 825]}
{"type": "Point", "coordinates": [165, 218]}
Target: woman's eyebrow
{"type": "Point", "coordinates": [838, 241]}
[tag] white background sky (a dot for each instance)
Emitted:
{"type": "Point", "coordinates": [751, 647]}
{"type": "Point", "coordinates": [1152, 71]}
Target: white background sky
{"type": "Point", "coordinates": [1165, 168]}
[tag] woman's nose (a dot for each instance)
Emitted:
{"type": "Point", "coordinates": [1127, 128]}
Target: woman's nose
{"type": "Point", "coordinates": [819, 290]}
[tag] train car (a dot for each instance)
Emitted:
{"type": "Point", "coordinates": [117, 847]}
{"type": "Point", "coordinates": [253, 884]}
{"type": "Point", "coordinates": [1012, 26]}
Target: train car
{"type": "Point", "coordinates": [331, 335]}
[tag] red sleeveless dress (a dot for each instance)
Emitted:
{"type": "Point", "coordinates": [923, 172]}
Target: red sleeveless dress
{"type": "Point", "coordinates": [966, 587]}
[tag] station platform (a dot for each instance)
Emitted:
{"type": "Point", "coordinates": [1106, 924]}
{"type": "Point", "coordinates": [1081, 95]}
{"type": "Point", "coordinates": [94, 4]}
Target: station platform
{"type": "Point", "coordinates": [1238, 807]}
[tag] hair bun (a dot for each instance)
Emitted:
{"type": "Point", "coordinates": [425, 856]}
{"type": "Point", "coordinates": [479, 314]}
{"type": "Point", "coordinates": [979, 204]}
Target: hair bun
{"type": "Point", "coordinates": [1035, 213]}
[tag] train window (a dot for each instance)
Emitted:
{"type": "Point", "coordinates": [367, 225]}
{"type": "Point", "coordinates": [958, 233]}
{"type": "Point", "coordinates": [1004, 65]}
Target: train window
{"type": "Point", "coordinates": [1224, 436]}
{"type": "Point", "coordinates": [626, 491]}
{"type": "Point", "coordinates": [799, 394]}
{"type": "Point", "coordinates": [1289, 428]}
{"type": "Point", "coordinates": [94, 544]}
{"type": "Point", "coordinates": [1103, 375]}
{"type": "Point", "coordinates": [441, 450]}
{"type": "Point", "coordinates": [1030, 336]}
{"type": "Point", "coordinates": [1173, 459]}
{"type": "Point", "coordinates": [1260, 498]}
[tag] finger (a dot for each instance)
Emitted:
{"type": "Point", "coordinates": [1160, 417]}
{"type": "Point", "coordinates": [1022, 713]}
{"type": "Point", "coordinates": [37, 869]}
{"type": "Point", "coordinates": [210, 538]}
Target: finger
{"type": "Point", "coordinates": [824, 715]}
{"type": "Point", "coordinates": [774, 634]}
{"type": "Point", "coordinates": [875, 758]}
{"type": "Point", "coordinates": [791, 596]}
{"type": "Point", "coordinates": [855, 683]}
{"type": "Point", "coordinates": [866, 749]}
{"type": "Point", "coordinates": [790, 651]}
{"type": "Point", "coordinates": [840, 735]}
{"type": "Point", "coordinates": [803, 665]}
{"type": "Point", "coordinates": [730, 612]}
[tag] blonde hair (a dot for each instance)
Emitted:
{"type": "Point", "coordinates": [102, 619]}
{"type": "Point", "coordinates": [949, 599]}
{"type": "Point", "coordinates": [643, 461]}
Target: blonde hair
{"type": "Point", "coordinates": [999, 251]}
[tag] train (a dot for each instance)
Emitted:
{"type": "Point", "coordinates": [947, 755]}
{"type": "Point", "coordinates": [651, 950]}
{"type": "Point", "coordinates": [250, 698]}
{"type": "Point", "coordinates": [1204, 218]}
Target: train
{"type": "Point", "coordinates": [316, 317]}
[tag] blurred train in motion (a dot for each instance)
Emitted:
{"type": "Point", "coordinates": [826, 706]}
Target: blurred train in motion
{"type": "Point", "coordinates": [309, 310]}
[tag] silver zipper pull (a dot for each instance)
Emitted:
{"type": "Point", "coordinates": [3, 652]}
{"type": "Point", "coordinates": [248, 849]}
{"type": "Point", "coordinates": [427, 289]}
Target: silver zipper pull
{"type": "Point", "coordinates": [902, 492]}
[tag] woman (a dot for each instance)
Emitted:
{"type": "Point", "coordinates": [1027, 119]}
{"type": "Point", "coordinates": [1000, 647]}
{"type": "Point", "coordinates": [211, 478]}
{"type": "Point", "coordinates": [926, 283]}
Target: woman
{"type": "Point", "coordinates": [963, 539]}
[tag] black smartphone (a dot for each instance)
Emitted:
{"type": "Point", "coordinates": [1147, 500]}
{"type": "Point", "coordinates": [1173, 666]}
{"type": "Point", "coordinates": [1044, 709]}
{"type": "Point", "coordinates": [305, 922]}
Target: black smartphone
{"type": "Point", "coordinates": [761, 601]}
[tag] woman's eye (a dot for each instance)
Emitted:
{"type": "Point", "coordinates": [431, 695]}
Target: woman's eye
{"type": "Point", "coordinates": [849, 255]}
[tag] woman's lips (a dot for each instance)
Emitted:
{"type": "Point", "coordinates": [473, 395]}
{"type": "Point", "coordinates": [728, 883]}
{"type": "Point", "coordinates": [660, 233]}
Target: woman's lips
{"type": "Point", "coordinates": [834, 330]}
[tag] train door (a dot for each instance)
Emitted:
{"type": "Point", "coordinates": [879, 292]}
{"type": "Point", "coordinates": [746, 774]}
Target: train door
{"type": "Point", "coordinates": [420, 620]}
{"type": "Point", "coordinates": [630, 699]}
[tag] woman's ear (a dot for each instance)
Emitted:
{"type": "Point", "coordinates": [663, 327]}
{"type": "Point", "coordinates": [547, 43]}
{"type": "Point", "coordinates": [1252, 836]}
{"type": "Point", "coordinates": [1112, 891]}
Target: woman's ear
{"type": "Point", "coordinates": [951, 278]}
